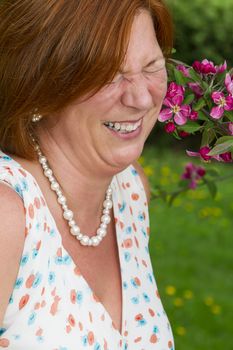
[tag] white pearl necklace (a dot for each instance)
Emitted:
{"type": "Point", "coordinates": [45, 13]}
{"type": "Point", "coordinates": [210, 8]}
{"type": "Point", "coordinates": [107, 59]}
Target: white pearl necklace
{"type": "Point", "coordinates": [68, 214]}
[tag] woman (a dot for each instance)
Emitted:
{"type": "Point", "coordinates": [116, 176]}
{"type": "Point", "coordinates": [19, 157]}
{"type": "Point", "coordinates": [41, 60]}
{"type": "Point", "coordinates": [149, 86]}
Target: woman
{"type": "Point", "coordinates": [82, 83]}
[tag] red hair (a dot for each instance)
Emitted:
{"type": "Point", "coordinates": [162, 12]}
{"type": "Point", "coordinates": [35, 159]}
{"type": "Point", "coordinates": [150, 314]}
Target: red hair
{"type": "Point", "coordinates": [53, 52]}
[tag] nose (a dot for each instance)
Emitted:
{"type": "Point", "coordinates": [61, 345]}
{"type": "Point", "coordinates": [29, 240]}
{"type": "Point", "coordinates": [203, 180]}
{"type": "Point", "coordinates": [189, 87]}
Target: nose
{"type": "Point", "coordinates": [137, 93]}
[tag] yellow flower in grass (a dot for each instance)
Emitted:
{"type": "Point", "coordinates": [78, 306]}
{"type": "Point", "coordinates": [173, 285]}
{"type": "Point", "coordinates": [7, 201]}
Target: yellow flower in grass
{"type": "Point", "coordinates": [149, 171]}
{"type": "Point", "coordinates": [178, 302]}
{"type": "Point", "coordinates": [164, 181]}
{"type": "Point", "coordinates": [216, 309]}
{"type": "Point", "coordinates": [209, 301]}
{"type": "Point", "coordinates": [188, 294]}
{"type": "Point", "coordinates": [165, 171]}
{"type": "Point", "coordinates": [170, 290]}
{"type": "Point", "coordinates": [180, 330]}
{"type": "Point", "coordinates": [141, 160]}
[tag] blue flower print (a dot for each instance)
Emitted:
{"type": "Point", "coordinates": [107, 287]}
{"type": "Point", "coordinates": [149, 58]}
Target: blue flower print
{"type": "Point", "coordinates": [79, 297]}
{"type": "Point", "coordinates": [122, 207]}
{"type": "Point", "coordinates": [134, 172]}
{"type": "Point", "coordinates": [34, 253]}
{"type": "Point", "coordinates": [2, 330]}
{"type": "Point", "coordinates": [37, 280]}
{"type": "Point", "coordinates": [125, 285]}
{"type": "Point", "coordinates": [24, 259]}
{"type": "Point", "coordinates": [128, 230]}
{"type": "Point", "coordinates": [32, 318]}
{"type": "Point", "coordinates": [52, 233]}
{"type": "Point", "coordinates": [84, 340]}
{"type": "Point", "coordinates": [155, 330]}
{"type": "Point", "coordinates": [24, 185]}
{"type": "Point", "coordinates": [40, 339]}
{"type": "Point", "coordinates": [7, 158]}
{"type": "Point", "coordinates": [127, 256]}
{"type": "Point", "coordinates": [18, 283]}
{"type": "Point", "coordinates": [18, 190]}
{"type": "Point", "coordinates": [97, 346]}
{"type": "Point", "coordinates": [58, 260]}
{"type": "Point", "coordinates": [141, 216]}
{"type": "Point", "coordinates": [146, 297]}
{"type": "Point", "coordinates": [142, 322]}
{"type": "Point", "coordinates": [66, 260]}
{"type": "Point", "coordinates": [144, 233]}
{"type": "Point", "coordinates": [135, 300]}
{"type": "Point", "coordinates": [11, 300]}
{"type": "Point", "coordinates": [51, 277]}
{"type": "Point", "coordinates": [150, 277]}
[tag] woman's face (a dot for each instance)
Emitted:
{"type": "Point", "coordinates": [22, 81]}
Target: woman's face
{"type": "Point", "coordinates": [131, 101]}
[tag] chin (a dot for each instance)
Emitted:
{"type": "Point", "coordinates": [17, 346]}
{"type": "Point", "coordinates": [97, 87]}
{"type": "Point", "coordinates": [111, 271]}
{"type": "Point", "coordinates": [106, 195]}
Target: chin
{"type": "Point", "coordinates": [127, 155]}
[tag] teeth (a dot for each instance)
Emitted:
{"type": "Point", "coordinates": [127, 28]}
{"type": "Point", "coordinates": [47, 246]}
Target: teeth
{"type": "Point", "coordinates": [123, 127]}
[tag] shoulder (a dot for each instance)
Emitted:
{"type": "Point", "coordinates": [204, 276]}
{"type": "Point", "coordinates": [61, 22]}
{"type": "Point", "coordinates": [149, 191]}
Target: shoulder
{"type": "Point", "coordinates": [143, 178]}
{"type": "Point", "coordinates": [12, 236]}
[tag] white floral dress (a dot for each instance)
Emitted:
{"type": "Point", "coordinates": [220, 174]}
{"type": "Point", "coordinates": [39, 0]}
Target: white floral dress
{"type": "Point", "coordinates": [52, 306]}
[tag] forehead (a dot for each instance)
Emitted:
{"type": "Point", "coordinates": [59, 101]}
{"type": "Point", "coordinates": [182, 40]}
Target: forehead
{"type": "Point", "coordinates": [143, 45]}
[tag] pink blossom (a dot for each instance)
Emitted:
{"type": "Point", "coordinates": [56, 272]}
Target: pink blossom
{"type": "Point", "coordinates": [183, 69]}
{"type": "Point", "coordinates": [221, 68]}
{"type": "Point", "coordinates": [174, 89]}
{"type": "Point", "coordinates": [183, 134]}
{"type": "Point", "coordinates": [204, 67]}
{"type": "Point", "coordinates": [170, 127]}
{"type": "Point", "coordinates": [195, 87]}
{"type": "Point", "coordinates": [226, 157]}
{"type": "Point", "coordinates": [193, 173]}
{"type": "Point", "coordinates": [229, 83]}
{"type": "Point", "coordinates": [193, 115]}
{"type": "Point", "coordinates": [203, 153]}
{"type": "Point", "coordinates": [223, 104]}
{"type": "Point", "coordinates": [175, 110]}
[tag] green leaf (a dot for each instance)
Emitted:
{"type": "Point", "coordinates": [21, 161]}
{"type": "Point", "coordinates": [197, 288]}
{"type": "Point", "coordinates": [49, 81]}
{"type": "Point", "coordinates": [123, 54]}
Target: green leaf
{"type": "Point", "coordinates": [191, 127]}
{"type": "Point", "coordinates": [200, 104]}
{"type": "Point", "coordinates": [188, 99]}
{"type": "Point", "coordinates": [202, 116]}
{"type": "Point", "coordinates": [212, 187]}
{"type": "Point", "coordinates": [208, 136]}
{"type": "Point", "coordinates": [229, 115]}
{"type": "Point", "coordinates": [221, 148]}
{"type": "Point", "coordinates": [213, 172]}
{"type": "Point", "coordinates": [194, 75]}
{"type": "Point", "coordinates": [224, 139]}
{"type": "Point", "coordinates": [180, 79]}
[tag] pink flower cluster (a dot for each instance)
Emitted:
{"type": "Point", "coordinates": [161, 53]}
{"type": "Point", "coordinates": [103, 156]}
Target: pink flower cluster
{"type": "Point", "coordinates": [193, 174]}
{"type": "Point", "coordinates": [203, 154]}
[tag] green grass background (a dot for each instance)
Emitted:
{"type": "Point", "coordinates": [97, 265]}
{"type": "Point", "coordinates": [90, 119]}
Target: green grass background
{"type": "Point", "coordinates": [191, 245]}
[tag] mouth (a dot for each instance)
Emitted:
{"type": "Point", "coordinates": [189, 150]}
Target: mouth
{"type": "Point", "coordinates": [125, 127]}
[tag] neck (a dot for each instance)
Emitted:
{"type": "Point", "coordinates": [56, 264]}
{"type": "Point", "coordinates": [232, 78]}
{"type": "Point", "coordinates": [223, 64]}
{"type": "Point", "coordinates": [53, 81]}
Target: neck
{"type": "Point", "coordinates": [83, 187]}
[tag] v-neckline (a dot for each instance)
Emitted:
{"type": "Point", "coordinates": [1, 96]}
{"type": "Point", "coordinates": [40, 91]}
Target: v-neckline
{"type": "Point", "coordinates": [74, 265]}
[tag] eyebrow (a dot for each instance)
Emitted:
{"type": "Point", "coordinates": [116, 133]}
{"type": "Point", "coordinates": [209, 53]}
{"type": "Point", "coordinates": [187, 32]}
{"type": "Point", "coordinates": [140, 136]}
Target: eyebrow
{"type": "Point", "coordinates": [146, 66]}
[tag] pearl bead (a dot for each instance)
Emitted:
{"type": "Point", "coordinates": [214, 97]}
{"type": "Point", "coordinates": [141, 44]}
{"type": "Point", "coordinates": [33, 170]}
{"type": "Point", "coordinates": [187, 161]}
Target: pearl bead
{"type": "Point", "coordinates": [48, 172]}
{"type": "Point", "coordinates": [79, 236]}
{"type": "Point", "coordinates": [106, 211]}
{"type": "Point", "coordinates": [84, 240]}
{"type": "Point", "coordinates": [68, 215]}
{"type": "Point", "coordinates": [101, 232]}
{"type": "Point", "coordinates": [107, 204]}
{"type": "Point", "coordinates": [61, 199]}
{"type": "Point", "coordinates": [42, 160]}
{"type": "Point", "coordinates": [105, 219]}
{"type": "Point", "coordinates": [109, 191]}
{"type": "Point", "coordinates": [55, 186]}
{"type": "Point", "coordinates": [75, 230]}
{"type": "Point", "coordinates": [51, 178]}
{"type": "Point", "coordinates": [95, 241]}
{"type": "Point", "coordinates": [103, 225]}
{"type": "Point", "coordinates": [71, 223]}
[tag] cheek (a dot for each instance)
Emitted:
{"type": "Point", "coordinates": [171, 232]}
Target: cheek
{"type": "Point", "coordinates": [158, 87]}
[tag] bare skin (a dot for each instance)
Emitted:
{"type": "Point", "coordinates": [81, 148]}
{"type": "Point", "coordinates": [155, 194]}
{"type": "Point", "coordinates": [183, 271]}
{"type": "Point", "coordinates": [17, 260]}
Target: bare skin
{"type": "Point", "coordinates": [85, 156]}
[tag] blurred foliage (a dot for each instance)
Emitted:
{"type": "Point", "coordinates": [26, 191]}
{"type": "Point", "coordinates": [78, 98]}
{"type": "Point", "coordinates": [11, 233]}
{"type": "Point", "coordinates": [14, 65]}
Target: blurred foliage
{"type": "Point", "coordinates": [203, 29]}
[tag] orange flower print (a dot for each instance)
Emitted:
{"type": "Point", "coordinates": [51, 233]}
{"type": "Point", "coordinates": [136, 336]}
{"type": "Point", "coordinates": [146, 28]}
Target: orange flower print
{"type": "Point", "coordinates": [37, 202]}
{"type": "Point", "coordinates": [134, 196]}
{"type": "Point", "coordinates": [54, 306]}
{"type": "Point", "coordinates": [151, 312]}
{"type": "Point", "coordinates": [71, 320]}
{"type": "Point", "coordinates": [137, 340]}
{"type": "Point", "coordinates": [138, 317]}
{"type": "Point", "coordinates": [128, 243]}
{"type": "Point", "coordinates": [29, 281]}
{"type": "Point", "coordinates": [31, 211]}
{"type": "Point", "coordinates": [90, 338]}
{"type": "Point", "coordinates": [153, 339]}
{"type": "Point", "coordinates": [4, 343]}
{"type": "Point", "coordinates": [23, 301]}
{"type": "Point", "coordinates": [73, 296]}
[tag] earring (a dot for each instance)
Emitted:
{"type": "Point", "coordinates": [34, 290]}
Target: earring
{"type": "Point", "coordinates": [36, 117]}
